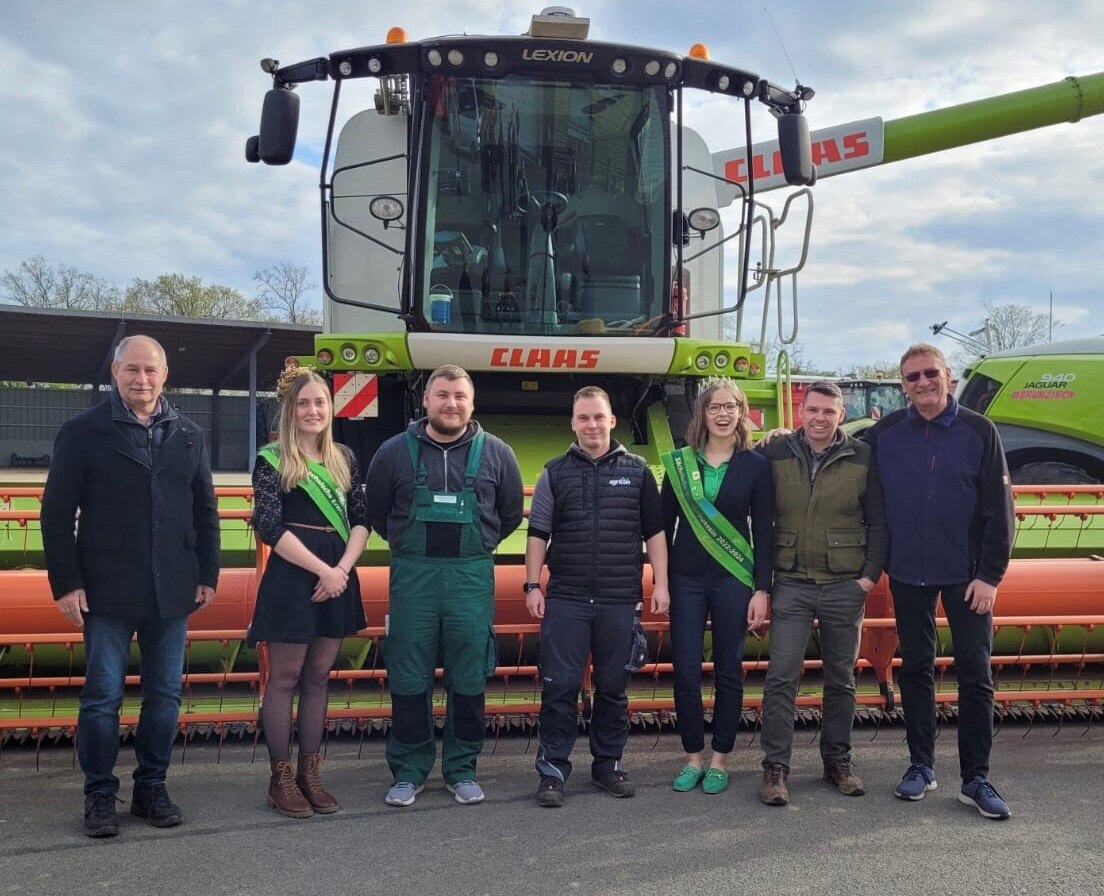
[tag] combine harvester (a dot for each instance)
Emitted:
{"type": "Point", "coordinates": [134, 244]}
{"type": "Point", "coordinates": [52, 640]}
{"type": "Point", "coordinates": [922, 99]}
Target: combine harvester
{"type": "Point", "coordinates": [535, 209]}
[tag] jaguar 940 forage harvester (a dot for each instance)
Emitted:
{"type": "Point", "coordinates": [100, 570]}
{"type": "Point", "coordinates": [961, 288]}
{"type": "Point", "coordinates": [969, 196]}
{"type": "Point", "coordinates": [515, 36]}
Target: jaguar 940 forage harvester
{"type": "Point", "coordinates": [536, 209]}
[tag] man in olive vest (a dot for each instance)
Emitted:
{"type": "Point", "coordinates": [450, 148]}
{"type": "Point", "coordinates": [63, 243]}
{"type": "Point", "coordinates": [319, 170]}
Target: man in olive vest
{"type": "Point", "coordinates": [445, 492]}
{"type": "Point", "coordinates": [830, 544]}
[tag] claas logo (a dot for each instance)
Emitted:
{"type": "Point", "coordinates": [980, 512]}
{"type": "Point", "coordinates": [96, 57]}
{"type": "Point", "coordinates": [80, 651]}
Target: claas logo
{"type": "Point", "coordinates": [545, 358]}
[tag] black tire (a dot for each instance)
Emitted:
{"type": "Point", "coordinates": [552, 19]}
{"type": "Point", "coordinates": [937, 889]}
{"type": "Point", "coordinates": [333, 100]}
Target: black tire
{"type": "Point", "coordinates": [1052, 473]}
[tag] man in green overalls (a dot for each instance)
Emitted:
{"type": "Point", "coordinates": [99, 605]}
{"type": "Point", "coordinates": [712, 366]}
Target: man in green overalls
{"type": "Point", "coordinates": [445, 493]}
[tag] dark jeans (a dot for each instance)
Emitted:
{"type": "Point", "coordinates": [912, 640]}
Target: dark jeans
{"type": "Point", "coordinates": [972, 635]}
{"type": "Point", "coordinates": [107, 648]}
{"type": "Point", "coordinates": [724, 599]}
{"type": "Point", "coordinates": [838, 608]}
{"type": "Point", "coordinates": [571, 629]}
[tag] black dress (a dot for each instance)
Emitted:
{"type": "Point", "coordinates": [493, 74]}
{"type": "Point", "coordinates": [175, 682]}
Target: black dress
{"type": "Point", "coordinates": [284, 610]}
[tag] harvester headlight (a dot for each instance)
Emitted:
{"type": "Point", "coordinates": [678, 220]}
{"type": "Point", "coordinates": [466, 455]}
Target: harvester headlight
{"type": "Point", "coordinates": [325, 357]}
{"type": "Point", "coordinates": [703, 361]}
{"type": "Point", "coordinates": [704, 219]}
{"type": "Point", "coordinates": [651, 68]}
{"type": "Point", "coordinates": [371, 355]}
{"type": "Point", "coordinates": [386, 208]}
{"type": "Point", "coordinates": [671, 70]}
{"type": "Point", "coordinates": [619, 66]}
{"type": "Point", "coordinates": [345, 67]}
{"type": "Point", "coordinates": [455, 57]}
{"type": "Point", "coordinates": [721, 360]}
{"type": "Point", "coordinates": [375, 64]}
{"type": "Point", "coordinates": [723, 82]}
{"type": "Point", "coordinates": [748, 89]}
{"type": "Point", "coordinates": [348, 353]}
{"type": "Point", "coordinates": [433, 57]}
{"type": "Point", "coordinates": [490, 59]}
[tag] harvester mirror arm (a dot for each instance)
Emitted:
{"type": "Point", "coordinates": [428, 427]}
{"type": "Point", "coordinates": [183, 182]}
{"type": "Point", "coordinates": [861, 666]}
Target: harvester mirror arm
{"type": "Point", "coordinates": [783, 101]}
{"type": "Point", "coordinates": [299, 72]}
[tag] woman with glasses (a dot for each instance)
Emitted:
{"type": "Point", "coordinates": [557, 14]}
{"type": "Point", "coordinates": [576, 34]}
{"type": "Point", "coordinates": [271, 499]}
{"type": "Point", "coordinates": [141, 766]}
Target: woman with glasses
{"type": "Point", "coordinates": [720, 569]}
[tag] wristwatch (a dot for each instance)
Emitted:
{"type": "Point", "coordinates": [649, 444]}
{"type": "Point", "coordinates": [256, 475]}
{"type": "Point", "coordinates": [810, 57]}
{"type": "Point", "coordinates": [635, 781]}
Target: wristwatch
{"type": "Point", "coordinates": [530, 586]}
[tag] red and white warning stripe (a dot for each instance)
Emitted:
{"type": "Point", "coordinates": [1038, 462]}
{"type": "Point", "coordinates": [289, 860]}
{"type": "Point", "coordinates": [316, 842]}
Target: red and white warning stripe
{"type": "Point", "coordinates": [356, 395]}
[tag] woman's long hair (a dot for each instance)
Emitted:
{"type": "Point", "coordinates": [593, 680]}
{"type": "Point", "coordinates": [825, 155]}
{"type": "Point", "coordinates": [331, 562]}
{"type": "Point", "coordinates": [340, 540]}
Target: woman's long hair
{"type": "Point", "coordinates": [293, 463]}
{"type": "Point", "coordinates": [697, 433]}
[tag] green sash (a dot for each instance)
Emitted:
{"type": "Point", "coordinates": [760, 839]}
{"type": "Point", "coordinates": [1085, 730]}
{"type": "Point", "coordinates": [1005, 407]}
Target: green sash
{"type": "Point", "coordinates": [717, 535]}
{"type": "Point", "coordinates": [322, 490]}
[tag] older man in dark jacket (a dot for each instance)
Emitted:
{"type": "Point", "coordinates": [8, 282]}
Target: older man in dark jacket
{"type": "Point", "coordinates": [143, 555]}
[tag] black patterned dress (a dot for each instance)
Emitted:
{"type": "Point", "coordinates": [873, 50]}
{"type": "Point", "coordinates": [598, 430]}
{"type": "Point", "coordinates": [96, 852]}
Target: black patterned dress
{"type": "Point", "coordinates": [284, 610]}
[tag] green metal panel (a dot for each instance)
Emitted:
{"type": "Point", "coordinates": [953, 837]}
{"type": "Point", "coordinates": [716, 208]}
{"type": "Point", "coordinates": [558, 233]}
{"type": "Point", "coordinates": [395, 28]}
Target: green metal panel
{"type": "Point", "coordinates": [1070, 99]}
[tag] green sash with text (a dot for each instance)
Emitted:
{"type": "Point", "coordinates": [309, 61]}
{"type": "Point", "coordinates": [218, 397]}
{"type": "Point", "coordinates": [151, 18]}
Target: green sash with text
{"type": "Point", "coordinates": [322, 489]}
{"type": "Point", "coordinates": [721, 540]}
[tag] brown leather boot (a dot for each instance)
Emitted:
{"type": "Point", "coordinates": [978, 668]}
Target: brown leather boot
{"type": "Point", "coordinates": [284, 794]}
{"type": "Point", "coordinates": [311, 785]}
{"type": "Point", "coordinates": [838, 771]}
{"type": "Point", "coordinates": [774, 792]}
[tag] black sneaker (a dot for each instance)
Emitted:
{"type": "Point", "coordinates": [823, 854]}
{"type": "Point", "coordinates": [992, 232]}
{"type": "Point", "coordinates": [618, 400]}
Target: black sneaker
{"type": "Point", "coordinates": [152, 803]}
{"type": "Point", "coordinates": [550, 792]}
{"type": "Point", "coordinates": [99, 815]}
{"type": "Point", "coordinates": [615, 783]}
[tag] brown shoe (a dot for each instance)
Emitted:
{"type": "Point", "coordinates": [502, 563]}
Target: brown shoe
{"type": "Point", "coordinates": [774, 791]}
{"type": "Point", "coordinates": [838, 771]}
{"type": "Point", "coordinates": [311, 785]}
{"type": "Point", "coordinates": [284, 794]}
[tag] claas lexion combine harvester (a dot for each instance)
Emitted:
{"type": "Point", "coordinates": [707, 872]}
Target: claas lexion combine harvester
{"type": "Point", "coordinates": [535, 209]}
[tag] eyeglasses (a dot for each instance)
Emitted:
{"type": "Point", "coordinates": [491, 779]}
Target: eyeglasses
{"type": "Point", "coordinates": [714, 409]}
{"type": "Point", "coordinates": [932, 373]}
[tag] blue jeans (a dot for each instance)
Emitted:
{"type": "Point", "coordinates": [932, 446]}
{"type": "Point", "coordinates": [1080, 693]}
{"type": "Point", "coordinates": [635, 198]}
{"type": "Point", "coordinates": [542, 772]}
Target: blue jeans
{"type": "Point", "coordinates": [724, 599]}
{"type": "Point", "coordinates": [107, 648]}
{"type": "Point", "coordinates": [569, 631]}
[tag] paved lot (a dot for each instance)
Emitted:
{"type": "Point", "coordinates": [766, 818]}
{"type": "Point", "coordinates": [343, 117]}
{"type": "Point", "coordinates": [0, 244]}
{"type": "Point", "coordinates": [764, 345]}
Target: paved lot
{"type": "Point", "coordinates": [659, 843]}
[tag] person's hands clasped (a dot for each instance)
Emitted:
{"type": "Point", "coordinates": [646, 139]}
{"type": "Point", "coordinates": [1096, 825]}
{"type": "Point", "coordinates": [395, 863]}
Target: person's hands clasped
{"type": "Point", "coordinates": [332, 581]}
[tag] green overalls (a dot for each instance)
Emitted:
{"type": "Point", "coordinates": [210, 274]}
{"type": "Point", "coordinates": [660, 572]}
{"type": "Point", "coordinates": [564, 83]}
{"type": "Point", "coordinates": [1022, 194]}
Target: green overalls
{"type": "Point", "coordinates": [439, 606]}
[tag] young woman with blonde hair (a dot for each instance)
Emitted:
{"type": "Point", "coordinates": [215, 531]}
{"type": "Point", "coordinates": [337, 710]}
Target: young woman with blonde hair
{"type": "Point", "coordinates": [309, 506]}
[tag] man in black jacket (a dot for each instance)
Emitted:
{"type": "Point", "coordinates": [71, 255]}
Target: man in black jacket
{"type": "Point", "coordinates": [596, 503]}
{"type": "Point", "coordinates": [144, 555]}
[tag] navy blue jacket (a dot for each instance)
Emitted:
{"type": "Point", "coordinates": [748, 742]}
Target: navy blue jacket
{"type": "Point", "coordinates": [947, 495]}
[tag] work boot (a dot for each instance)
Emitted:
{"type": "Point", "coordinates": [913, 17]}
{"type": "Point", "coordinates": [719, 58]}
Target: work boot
{"type": "Point", "coordinates": [284, 794]}
{"type": "Point", "coordinates": [838, 771]}
{"type": "Point", "coordinates": [774, 791]}
{"type": "Point", "coordinates": [310, 784]}
{"type": "Point", "coordinates": [152, 802]}
{"type": "Point", "coordinates": [100, 819]}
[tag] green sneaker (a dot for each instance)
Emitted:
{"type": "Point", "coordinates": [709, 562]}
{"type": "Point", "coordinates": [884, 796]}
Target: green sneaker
{"type": "Point", "coordinates": [688, 778]}
{"type": "Point", "coordinates": [715, 781]}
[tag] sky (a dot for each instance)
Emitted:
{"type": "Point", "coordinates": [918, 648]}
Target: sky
{"type": "Point", "coordinates": [124, 126]}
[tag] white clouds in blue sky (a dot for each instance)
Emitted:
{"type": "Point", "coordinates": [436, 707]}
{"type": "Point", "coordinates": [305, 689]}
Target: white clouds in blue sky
{"type": "Point", "coordinates": [124, 125]}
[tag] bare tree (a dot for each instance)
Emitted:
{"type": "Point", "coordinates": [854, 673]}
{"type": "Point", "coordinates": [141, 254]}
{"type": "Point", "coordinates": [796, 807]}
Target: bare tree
{"type": "Point", "coordinates": [182, 296]}
{"type": "Point", "coordinates": [876, 371]}
{"type": "Point", "coordinates": [38, 284]}
{"type": "Point", "coordinates": [283, 289]}
{"type": "Point", "coordinates": [1012, 324]}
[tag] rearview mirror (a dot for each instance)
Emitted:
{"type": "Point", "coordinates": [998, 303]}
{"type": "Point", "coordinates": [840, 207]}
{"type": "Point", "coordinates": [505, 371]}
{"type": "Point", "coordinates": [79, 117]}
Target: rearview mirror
{"type": "Point", "coordinates": [796, 150]}
{"type": "Point", "coordinates": [279, 124]}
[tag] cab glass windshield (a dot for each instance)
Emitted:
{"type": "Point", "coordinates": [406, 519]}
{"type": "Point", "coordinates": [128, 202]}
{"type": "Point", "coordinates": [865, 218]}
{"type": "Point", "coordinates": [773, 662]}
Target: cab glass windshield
{"type": "Point", "coordinates": [545, 208]}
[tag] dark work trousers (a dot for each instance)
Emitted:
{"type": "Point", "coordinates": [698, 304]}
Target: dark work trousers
{"type": "Point", "coordinates": [724, 599]}
{"type": "Point", "coordinates": [972, 636]}
{"type": "Point", "coordinates": [569, 631]}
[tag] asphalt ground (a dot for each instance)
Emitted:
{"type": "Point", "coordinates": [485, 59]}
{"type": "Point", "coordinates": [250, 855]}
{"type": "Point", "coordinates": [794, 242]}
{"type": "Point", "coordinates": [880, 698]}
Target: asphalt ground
{"type": "Point", "coordinates": [660, 842]}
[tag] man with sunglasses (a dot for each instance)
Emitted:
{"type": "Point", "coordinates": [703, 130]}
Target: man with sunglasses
{"type": "Point", "coordinates": [949, 507]}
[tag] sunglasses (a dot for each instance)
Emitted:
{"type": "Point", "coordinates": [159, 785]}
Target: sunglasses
{"type": "Point", "coordinates": [932, 373]}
